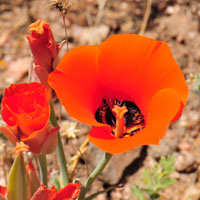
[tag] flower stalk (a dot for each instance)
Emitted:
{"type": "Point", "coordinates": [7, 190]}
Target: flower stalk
{"type": "Point", "coordinates": [59, 149]}
{"type": "Point", "coordinates": [43, 169]}
{"type": "Point", "coordinates": [100, 167]}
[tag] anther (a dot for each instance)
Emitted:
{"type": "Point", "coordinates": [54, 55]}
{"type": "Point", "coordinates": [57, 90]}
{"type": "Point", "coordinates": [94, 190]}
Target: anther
{"type": "Point", "coordinates": [120, 127]}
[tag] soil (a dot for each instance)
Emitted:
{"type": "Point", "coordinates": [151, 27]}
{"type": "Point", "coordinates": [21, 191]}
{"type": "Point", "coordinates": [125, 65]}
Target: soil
{"type": "Point", "coordinates": [176, 22]}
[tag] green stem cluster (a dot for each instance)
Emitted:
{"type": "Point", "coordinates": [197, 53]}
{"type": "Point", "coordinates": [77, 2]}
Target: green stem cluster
{"type": "Point", "coordinates": [62, 161]}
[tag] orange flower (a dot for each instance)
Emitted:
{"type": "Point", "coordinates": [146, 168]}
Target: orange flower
{"type": "Point", "coordinates": [43, 48]}
{"type": "Point", "coordinates": [129, 88]}
{"type": "Point", "coordinates": [69, 192]}
{"type": "Point", "coordinates": [26, 110]}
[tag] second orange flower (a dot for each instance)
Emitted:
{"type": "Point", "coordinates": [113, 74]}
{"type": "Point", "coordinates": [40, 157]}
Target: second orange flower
{"type": "Point", "coordinates": [26, 111]}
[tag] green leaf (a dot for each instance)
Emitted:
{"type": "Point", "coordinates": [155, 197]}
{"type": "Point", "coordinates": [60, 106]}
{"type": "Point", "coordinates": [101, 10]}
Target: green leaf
{"type": "Point", "coordinates": [156, 179]}
{"type": "Point", "coordinates": [137, 192]}
{"type": "Point", "coordinates": [157, 173]}
{"type": "Point", "coordinates": [147, 180]}
{"type": "Point", "coordinates": [167, 164]}
{"type": "Point", "coordinates": [166, 182]}
{"type": "Point", "coordinates": [148, 191]}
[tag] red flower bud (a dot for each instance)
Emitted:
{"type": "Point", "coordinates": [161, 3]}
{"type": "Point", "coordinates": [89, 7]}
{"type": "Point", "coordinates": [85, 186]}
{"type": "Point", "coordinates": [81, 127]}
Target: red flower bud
{"type": "Point", "coordinates": [26, 111]}
{"type": "Point", "coordinates": [43, 48]}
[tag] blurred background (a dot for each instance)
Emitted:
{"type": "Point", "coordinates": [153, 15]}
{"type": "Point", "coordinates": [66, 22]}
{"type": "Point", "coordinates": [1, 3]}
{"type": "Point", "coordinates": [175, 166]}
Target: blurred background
{"type": "Point", "coordinates": [176, 22]}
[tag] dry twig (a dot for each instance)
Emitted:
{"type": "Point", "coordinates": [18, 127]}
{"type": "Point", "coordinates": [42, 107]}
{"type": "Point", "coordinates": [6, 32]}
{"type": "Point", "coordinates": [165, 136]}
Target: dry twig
{"type": "Point", "coordinates": [63, 6]}
{"type": "Point", "coordinates": [76, 158]}
{"type": "Point", "coordinates": [101, 6]}
{"type": "Point", "coordinates": [146, 17]}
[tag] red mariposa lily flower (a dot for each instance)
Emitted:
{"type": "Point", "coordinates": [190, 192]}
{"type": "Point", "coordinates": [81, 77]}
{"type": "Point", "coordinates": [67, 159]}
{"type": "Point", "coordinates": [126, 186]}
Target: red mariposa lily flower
{"type": "Point", "coordinates": [69, 192]}
{"type": "Point", "coordinates": [26, 111]}
{"type": "Point", "coordinates": [44, 50]}
{"type": "Point", "coordinates": [129, 89]}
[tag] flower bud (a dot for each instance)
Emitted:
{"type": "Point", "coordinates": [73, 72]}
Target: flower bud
{"type": "Point", "coordinates": [44, 50]}
{"type": "Point", "coordinates": [18, 180]}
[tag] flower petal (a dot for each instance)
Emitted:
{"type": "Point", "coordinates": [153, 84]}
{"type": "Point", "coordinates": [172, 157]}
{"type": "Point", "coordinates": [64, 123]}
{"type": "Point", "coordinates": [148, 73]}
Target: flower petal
{"type": "Point", "coordinates": [3, 190]}
{"type": "Point", "coordinates": [163, 107]}
{"type": "Point", "coordinates": [36, 139]}
{"type": "Point", "coordinates": [69, 192]}
{"type": "Point", "coordinates": [75, 83]}
{"type": "Point", "coordinates": [135, 67]}
{"type": "Point", "coordinates": [51, 140]}
{"type": "Point", "coordinates": [44, 193]}
{"type": "Point", "coordinates": [10, 133]}
{"type": "Point", "coordinates": [29, 124]}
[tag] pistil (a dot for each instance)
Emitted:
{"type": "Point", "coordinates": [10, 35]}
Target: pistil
{"type": "Point", "coordinates": [120, 127]}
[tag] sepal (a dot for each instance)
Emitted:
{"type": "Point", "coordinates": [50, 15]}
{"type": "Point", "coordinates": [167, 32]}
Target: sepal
{"type": "Point", "coordinates": [18, 180]}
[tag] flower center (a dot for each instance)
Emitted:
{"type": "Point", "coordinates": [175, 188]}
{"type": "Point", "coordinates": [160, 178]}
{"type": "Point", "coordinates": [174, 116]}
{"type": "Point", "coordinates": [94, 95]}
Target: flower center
{"type": "Point", "coordinates": [124, 117]}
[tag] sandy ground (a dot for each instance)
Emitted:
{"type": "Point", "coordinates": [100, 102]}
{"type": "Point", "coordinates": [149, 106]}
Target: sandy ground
{"type": "Point", "coordinates": [176, 22]}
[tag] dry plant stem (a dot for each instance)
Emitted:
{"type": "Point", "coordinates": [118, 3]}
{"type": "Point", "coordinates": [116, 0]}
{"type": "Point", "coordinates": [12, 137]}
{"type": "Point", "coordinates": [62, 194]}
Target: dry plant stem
{"type": "Point", "coordinates": [101, 6]}
{"type": "Point", "coordinates": [43, 169]}
{"type": "Point", "coordinates": [76, 158]}
{"type": "Point", "coordinates": [102, 164]}
{"type": "Point", "coordinates": [146, 17]}
{"type": "Point", "coordinates": [59, 149]}
{"type": "Point", "coordinates": [86, 163]}
{"type": "Point", "coordinates": [66, 35]}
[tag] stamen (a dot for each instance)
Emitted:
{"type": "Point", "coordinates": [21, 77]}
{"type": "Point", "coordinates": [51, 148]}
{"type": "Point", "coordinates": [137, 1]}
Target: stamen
{"type": "Point", "coordinates": [120, 122]}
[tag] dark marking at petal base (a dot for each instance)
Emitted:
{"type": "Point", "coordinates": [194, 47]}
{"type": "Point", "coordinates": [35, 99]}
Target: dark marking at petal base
{"type": "Point", "coordinates": [134, 120]}
{"type": "Point", "coordinates": [104, 115]}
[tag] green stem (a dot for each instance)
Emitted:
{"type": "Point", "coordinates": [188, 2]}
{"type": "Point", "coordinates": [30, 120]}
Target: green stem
{"type": "Point", "coordinates": [102, 164]}
{"type": "Point", "coordinates": [60, 151]}
{"type": "Point", "coordinates": [92, 196]}
{"type": "Point", "coordinates": [43, 168]}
